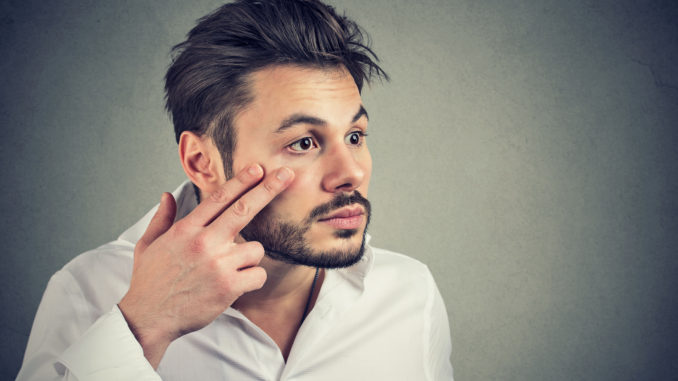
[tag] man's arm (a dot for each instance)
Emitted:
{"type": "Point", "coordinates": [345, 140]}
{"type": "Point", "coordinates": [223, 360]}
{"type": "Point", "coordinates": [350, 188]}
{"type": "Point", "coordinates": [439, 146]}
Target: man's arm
{"type": "Point", "coordinates": [184, 275]}
{"type": "Point", "coordinates": [188, 273]}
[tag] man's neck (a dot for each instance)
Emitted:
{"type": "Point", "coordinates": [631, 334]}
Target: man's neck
{"type": "Point", "coordinates": [278, 307]}
{"type": "Point", "coordinates": [285, 284]}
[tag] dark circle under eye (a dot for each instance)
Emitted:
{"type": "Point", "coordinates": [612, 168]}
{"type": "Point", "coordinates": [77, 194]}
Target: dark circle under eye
{"type": "Point", "coordinates": [305, 143]}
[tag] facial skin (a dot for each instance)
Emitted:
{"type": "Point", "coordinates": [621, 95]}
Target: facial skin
{"type": "Point", "coordinates": [313, 122]}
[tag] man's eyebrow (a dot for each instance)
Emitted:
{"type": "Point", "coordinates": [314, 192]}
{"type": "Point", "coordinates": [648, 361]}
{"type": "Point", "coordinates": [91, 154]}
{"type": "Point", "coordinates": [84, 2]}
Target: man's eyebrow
{"type": "Point", "coordinates": [359, 114]}
{"type": "Point", "coordinates": [298, 118]}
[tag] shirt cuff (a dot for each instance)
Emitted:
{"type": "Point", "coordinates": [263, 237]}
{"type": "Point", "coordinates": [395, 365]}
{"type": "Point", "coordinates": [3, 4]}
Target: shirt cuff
{"type": "Point", "coordinates": [108, 351]}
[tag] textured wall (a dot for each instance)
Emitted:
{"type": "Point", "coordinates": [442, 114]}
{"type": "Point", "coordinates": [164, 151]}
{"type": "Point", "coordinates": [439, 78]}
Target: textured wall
{"type": "Point", "coordinates": [525, 150]}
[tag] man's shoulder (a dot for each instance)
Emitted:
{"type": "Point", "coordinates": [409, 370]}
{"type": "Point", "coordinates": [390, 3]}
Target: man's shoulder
{"type": "Point", "coordinates": [99, 276]}
{"type": "Point", "coordinates": [111, 263]}
{"type": "Point", "coordinates": [105, 259]}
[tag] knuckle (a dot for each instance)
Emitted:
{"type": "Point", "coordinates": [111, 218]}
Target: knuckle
{"type": "Point", "coordinates": [181, 228]}
{"type": "Point", "coordinates": [198, 244]}
{"type": "Point", "coordinates": [243, 177]}
{"type": "Point", "coordinates": [220, 195]}
{"type": "Point", "coordinates": [271, 187]}
{"type": "Point", "coordinates": [228, 286]}
{"type": "Point", "coordinates": [240, 208]}
{"type": "Point", "coordinates": [214, 264]}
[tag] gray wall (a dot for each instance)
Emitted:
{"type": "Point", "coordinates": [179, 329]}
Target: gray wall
{"type": "Point", "coordinates": [524, 150]}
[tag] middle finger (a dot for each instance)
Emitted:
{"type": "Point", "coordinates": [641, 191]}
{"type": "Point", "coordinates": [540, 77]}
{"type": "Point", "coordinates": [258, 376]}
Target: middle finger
{"type": "Point", "coordinates": [242, 210]}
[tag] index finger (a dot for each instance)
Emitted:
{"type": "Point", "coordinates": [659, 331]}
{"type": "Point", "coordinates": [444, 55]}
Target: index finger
{"type": "Point", "coordinates": [241, 212]}
{"type": "Point", "coordinates": [213, 205]}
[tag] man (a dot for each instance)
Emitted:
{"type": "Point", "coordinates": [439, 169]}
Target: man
{"type": "Point", "coordinates": [260, 266]}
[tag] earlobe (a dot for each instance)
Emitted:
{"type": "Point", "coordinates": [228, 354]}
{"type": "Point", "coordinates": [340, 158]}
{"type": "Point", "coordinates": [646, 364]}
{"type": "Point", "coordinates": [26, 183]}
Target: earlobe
{"type": "Point", "coordinates": [201, 161]}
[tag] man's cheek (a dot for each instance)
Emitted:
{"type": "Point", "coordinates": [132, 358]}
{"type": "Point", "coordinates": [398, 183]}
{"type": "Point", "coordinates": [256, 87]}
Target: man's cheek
{"type": "Point", "coordinates": [296, 201]}
{"type": "Point", "coordinates": [305, 182]}
{"type": "Point", "coordinates": [297, 189]}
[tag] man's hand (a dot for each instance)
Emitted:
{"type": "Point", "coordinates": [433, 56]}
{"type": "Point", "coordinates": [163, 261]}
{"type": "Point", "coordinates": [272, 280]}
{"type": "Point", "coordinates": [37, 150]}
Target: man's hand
{"type": "Point", "coordinates": [186, 274]}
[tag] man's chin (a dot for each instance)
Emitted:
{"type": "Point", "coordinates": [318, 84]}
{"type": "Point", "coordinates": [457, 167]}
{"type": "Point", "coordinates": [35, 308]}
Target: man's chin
{"type": "Point", "coordinates": [345, 233]}
{"type": "Point", "coordinates": [313, 242]}
{"type": "Point", "coordinates": [345, 254]}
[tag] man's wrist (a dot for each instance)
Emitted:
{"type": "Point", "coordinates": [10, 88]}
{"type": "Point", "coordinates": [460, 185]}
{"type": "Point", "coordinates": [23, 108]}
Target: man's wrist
{"type": "Point", "coordinates": [153, 341]}
{"type": "Point", "coordinates": [107, 350]}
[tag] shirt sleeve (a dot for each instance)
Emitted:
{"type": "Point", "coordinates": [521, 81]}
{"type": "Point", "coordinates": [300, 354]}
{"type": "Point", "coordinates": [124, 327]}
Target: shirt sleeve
{"type": "Point", "coordinates": [439, 341]}
{"type": "Point", "coordinates": [65, 345]}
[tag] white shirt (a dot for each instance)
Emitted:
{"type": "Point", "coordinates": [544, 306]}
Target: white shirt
{"type": "Point", "coordinates": [380, 319]}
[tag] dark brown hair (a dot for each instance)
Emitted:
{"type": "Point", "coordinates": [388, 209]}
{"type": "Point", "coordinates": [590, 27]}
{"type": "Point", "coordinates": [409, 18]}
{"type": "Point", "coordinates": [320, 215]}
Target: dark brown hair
{"type": "Point", "coordinates": [207, 82]}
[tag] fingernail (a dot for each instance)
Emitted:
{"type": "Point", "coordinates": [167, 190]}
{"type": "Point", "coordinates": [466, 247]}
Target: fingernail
{"type": "Point", "coordinates": [283, 174]}
{"type": "Point", "coordinates": [254, 170]}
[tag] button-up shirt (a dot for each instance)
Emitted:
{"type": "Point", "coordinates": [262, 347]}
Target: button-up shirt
{"type": "Point", "coordinates": [380, 319]}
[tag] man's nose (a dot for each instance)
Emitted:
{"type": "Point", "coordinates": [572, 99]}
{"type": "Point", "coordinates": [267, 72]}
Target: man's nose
{"type": "Point", "coordinates": [344, 172]}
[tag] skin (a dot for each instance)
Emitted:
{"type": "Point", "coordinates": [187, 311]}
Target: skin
{"type": "Point", "coordinates": [188, 273]}
{"type": "Point", "coordinates": [320, 172]}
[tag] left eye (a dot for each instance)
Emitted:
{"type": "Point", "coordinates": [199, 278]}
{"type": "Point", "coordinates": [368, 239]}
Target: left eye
{"type": "Point", "coordinates": [355, 138]}
{"type": "Point", "coordinates": [302, 145]}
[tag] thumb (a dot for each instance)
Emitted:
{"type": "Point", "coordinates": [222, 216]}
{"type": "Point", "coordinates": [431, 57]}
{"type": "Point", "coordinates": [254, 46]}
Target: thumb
{"type": "Point", "coordinates": [160, 223]}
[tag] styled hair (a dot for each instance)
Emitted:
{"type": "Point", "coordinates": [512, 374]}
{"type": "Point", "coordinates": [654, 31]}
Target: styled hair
{"type": "Point", "coordinates": [207, 83]}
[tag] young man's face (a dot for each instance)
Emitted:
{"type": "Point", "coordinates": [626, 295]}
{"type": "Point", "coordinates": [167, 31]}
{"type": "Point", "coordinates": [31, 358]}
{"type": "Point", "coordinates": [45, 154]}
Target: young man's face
{"type": "Point", "coordinates": [313, 122]}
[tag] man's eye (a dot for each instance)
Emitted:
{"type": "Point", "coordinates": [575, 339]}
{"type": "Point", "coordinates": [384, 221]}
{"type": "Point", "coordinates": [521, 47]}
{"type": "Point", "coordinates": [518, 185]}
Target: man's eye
{"type": "Point", "coordinates": [355, 138]}
{"type": "Point", "coordinates": [303, 144]}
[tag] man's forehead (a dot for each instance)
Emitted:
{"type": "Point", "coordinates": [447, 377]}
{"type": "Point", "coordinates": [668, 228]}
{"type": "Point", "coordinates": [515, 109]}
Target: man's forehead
{"type": "Point", "coordinates": [284, 93]}
{"type": "Point", "coordinates": [295, 83]}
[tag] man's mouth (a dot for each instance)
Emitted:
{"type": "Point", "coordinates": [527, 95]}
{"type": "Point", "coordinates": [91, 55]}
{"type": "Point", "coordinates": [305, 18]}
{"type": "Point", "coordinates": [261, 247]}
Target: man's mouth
{"type": "Point", "coordinates": [350, 217]}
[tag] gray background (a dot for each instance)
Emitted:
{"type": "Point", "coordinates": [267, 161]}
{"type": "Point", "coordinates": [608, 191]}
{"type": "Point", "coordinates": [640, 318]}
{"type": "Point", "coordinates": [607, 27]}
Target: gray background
{"type": "Point", "coordinates": [524, 150]}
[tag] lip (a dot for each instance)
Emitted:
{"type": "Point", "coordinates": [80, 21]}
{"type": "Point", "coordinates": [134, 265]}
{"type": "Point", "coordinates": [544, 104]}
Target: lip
{"type": "Point", "coordinates": [345, 218]}
{"type": "Point", "coordinates": [346, 212]}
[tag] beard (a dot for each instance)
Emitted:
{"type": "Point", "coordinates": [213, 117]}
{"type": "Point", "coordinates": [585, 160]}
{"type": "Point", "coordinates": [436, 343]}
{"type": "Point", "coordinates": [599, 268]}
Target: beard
{"type": "Point", "coordinates": [286, 242]}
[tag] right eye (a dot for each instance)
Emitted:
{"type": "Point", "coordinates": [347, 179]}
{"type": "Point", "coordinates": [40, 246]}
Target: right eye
{"type": "Point", "coordinates": [303, 145]}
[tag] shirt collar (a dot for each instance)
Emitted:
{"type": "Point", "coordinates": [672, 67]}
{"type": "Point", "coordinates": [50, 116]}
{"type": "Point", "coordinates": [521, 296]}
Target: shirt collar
{"type": "Point", "coordinates": [186, 202]}
{"type": "Point", "coordinates": [356, 273]}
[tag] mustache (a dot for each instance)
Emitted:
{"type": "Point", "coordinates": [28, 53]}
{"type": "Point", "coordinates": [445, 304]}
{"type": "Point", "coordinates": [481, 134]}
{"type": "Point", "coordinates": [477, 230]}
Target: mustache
{"type": "Point", "coordinates": [340, 201]}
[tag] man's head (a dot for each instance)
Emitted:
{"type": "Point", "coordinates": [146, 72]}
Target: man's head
{"type": "Point", "coordinates": [278, 83]}
{"type": "Point", "coordinates": [209, 79]}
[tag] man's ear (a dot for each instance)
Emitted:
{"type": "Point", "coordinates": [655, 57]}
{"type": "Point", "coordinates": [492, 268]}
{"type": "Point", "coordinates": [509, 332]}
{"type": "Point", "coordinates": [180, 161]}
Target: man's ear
{"type": "Point", "coordinates": [201, 161]}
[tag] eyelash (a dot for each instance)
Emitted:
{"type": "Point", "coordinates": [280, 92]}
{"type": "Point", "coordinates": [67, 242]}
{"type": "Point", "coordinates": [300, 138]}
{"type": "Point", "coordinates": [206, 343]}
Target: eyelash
{"type": "Point", "coordinates": [361, 134]}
